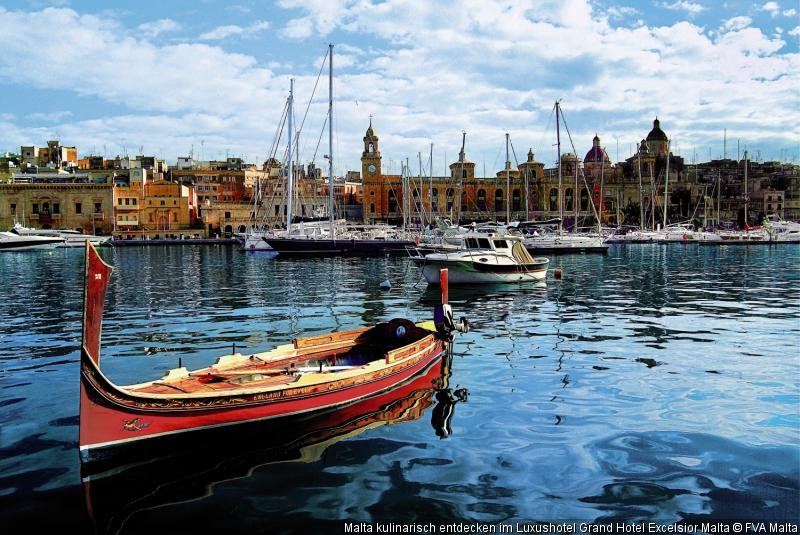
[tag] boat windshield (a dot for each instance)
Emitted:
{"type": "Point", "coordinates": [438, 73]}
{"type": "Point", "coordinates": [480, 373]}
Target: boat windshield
{"type": "Point", "coordinates": [478, 243]}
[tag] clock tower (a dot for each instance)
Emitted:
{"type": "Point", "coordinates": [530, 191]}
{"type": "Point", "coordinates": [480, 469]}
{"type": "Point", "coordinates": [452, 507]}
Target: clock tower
{"type": "Point", "coordinates": [371, 157]}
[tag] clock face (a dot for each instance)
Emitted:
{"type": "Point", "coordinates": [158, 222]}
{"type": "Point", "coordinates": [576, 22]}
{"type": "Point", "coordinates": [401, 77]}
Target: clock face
{"type": "Point", "coordinates": [371, 168]}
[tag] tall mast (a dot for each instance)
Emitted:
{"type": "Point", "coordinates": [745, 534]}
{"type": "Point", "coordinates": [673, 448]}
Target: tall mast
{"type": "Point", "coordinates": [291, 163]}
{"type": "Point", "coordinates": [558, 151]}
{"type": "Point", "coordinates": [641, 200]}
{"type": "Point", "coordinates": [430, 185]}
{"type": "Point", "coordinates": [330, 136]}
{"type": "Point", "coordinates": [745, 189]}
{"type": "Point", "coordinates": [508, 183]}
{"type": "Point", "coordinates": [575, 196]}
{"type": "Point", "coordinates": [666, 185]}
{"type": "Point", "coordinates": [461, 175]}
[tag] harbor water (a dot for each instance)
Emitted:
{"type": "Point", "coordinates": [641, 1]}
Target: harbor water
{"type": "Point", "coordinates": [655, 383]}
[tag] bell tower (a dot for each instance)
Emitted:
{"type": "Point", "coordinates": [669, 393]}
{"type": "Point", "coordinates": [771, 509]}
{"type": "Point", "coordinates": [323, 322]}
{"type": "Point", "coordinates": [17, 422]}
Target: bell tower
{"type": "Point", "coordinates": [371, 157]}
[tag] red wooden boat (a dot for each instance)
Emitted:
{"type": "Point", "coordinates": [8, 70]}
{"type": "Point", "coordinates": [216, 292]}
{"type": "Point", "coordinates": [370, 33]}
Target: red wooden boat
{"type": "Point", "coordinates": [310, 374]}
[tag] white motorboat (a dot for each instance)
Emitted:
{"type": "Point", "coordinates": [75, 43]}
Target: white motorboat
{"type": "Point", "coordinates": [68, 237]}
{"type": "Point", "coordinates": [559, 242]}
{"type": "Point", "coordinates": [781, 231]}
{"type": "Point", "coordinates": [9, 241]}
{"type": "Point", "coordinates": [484, 258]}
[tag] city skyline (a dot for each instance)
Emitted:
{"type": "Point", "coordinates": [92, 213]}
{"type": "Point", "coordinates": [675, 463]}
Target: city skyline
{"type": "Point", "coordinates": [212, 78]}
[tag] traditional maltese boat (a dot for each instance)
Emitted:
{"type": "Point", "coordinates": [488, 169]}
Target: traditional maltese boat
{"type": "Point", "coordinates": [310, 374]}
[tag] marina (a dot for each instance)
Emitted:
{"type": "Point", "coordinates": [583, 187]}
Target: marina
{"type": "Point", "coordinates": [653, 383]}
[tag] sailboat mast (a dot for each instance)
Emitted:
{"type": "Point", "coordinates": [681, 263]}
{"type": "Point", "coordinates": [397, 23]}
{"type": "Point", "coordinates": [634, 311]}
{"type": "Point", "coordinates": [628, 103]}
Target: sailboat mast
{"type": "Point", "coordinates": [745, 189]}
{"type": "Point", "coordinates": [461, 175]}
{"type": "Point", "coordinates": [558, 152]}
{"type": "Point", "coordinates": [666, 185]}
{"type": "Point", "coordinates": [430, 184]}
{"type": "Point", "coordinates": [508, 183]}
{"type": "Point", "coordinates": [291, 163]}
{"type": "Point", "coordinates": [641, 200]}
{"type": "Point", "coordinates": [330, 137]}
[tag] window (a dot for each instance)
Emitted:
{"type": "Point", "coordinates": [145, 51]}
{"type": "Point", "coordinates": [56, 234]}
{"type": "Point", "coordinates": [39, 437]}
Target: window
{"type": "Point", "coordinates": [584, 199]}
{"type": "Point", "coordinates": [98, 207]}
{"type": "Point", "coordinates": [371, 193]}
{"type": "Point", "coordinates": [56, 208]}
{"type": "Point", "coordinates": [162, 203]}
{"type": "Point", "coordinates": [78, 208]}
{"type": "Point", "coordinates": [498, 200]}
{"type": "Point", "coordinates": [227, 215]}
{"type": "Point", "coordinates": [392, 201]}
{"type": "Point", "coordinates": [119, 201]}
{"type": "Point", "coordinates": [483, 243]}
{"type": "Point", "coordinates": [13, 209]}
{"type": "Point", "coordinates": [516, 200]}
{"type": "Point", "coordinates": [472, 243]}
{"type": "Point", "coordinates": [133, 201]}
{"type": "Point", "coordinates": [553, 199]}
{"type": "Point", "coordinates": [500, 244]}
{"type": "Point", "coordinates": [435, 200]}
{"type": "Point", "coordinates": [481, 199]}
{"type": "Point", "coordinates": [35, 208]}
{"type": "Point", "coordinates": [372, 208]}
{"type": "Point", "coordinates": [568, 199]}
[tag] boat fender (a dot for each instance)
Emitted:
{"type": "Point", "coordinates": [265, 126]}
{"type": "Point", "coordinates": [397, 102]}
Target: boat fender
{"type": "Point", "coordinates": [557, 273]}
{"type": "Point", "coordinates": [386, 285]}
{"type": "Point", "coordinates": [685, 236]}
{"type": "Point", "coordinates": [443, 319]}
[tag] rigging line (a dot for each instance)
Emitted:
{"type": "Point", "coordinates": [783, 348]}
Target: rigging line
{"type": "Point", "coordinates": [583, 175]}
{"type": "Point", "coordinates": [311, 99]}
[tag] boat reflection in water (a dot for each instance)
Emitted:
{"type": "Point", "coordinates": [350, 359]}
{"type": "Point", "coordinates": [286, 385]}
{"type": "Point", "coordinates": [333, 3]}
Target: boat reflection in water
{"type": "Point", "coordinates": [178, 470]}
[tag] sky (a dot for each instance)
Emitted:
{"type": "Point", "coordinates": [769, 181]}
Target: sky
{"type": "Point", "coordinates": [211, 78]}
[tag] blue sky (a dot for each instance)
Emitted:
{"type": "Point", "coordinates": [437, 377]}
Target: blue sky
{"type": "Point", "coordinates": [211, 77]}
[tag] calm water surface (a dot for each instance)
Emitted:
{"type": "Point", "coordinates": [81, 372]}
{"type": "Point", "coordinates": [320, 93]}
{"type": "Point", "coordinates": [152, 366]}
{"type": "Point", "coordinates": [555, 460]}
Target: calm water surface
{"type": "Point", "coordinates": [655, 383]}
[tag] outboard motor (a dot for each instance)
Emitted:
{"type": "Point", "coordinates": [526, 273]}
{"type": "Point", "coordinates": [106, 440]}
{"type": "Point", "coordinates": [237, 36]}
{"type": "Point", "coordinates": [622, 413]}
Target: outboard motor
{"type": "Point", "coordinates": [443, 314]}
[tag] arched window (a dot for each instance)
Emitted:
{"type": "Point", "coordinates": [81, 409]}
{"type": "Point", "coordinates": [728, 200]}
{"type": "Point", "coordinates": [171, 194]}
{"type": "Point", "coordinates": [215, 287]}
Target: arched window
{"type": "Point", "coordinates": [584, 199]}
{"type": "Point", "coordinates": [498, 200]}
{"type": "Point", "coordinates": [481, 199]}
{"type": "Point", "coordinates": [463, 173]}
{"type": "Point", "coordinates": [450, 193]}
{"type": "Point", "coordinates": [372, 207]}
{"type": "Point", "coordinates": [434, 200]}
{"type": "Point", "coordinates": [370, 148]}
{"type": "Point", "coordinates": [417, 204]}
{"type": "Point", "coordinates": [392, 202]}
{"type": "Point", "coordinates": [516, 200]}
{"type": "Point", "coordinates": [553, 200]}
{"type": "Point", "coordinates": [568, 199]}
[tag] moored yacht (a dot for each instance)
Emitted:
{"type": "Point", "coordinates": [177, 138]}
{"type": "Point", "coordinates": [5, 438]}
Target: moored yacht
{"type": "Point", "coordinates": [68, 237]}
{"type": "Point", "coordinates": [484, 258]}
{"type": "Point", "coordinates": [10, 241]}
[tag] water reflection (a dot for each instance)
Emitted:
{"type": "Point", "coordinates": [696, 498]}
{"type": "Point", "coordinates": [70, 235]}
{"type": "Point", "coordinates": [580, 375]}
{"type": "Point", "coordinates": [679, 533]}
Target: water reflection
{"type": "Point", "coordinates": [190, 470]}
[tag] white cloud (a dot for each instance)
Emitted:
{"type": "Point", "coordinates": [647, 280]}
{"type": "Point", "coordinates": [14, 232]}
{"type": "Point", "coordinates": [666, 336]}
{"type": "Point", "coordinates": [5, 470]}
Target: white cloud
{"type": "Point", "coordinates": [737, 23]}
{"type": "Point", "coordinates": [223, 32]}
{"type": "Point", "coordinates": [157, 27]}
{"type": "Point", "coordinates": [621, 12]}
{"type": "Point", "coordinates": [691, 8]}
{"type": "Point", "coordinates": [795, 31]}
{"type": "Point", "coordinates": [790, 13]}
{"type": "Point", "coordinates": [772, 8]}
{"type": "Point", "coordinates": [426, 72]}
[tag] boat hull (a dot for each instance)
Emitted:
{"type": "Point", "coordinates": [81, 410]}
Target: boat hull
{"type": "Point", "coordinates": [470, 272]}
{"type": "Point", "coordinates": [312, 247]}
{"type": "Point", "coordinates": [110, 418]}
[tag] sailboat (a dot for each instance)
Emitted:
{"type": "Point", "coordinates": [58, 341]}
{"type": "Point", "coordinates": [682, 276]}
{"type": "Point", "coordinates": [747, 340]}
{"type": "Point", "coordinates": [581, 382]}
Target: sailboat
{"type": "Point", "coordinates": [336, 241]}
{"type": "Point", "coordinates": [542, 241]}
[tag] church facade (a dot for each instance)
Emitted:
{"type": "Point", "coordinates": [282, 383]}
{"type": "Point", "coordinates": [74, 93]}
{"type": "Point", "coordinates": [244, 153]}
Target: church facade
{"type": "Point", "coordinates": [628, 189]}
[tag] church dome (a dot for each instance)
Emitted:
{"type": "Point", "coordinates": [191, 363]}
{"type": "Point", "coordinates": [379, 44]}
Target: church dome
{"type": "Point", "coordinates": [656, 134]}
{"type": "Point", "coordinates": [596, 154]}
